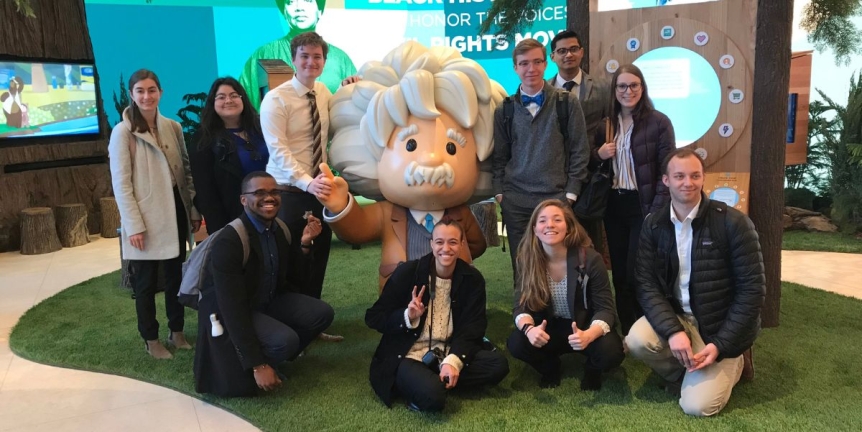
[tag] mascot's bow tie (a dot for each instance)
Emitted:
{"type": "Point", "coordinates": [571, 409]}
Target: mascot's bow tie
{"type": "Point", "coordinates": [538, 99]}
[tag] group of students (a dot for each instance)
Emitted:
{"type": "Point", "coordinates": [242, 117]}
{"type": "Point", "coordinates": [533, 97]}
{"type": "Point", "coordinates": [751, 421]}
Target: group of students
{"type": "Point", "coordinates": [687, 297]}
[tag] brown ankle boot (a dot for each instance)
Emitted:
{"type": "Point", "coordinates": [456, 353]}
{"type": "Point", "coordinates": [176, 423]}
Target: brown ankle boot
{"type": "Point", "coordinates": [157, 350]}
{"type": "Point", "coordinates": [748, 365]}
{"type": "Point", "coordinates": [178, 340]}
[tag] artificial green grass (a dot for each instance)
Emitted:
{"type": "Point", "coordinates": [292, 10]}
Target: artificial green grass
{"type": "Point", "coordinates": [807, 369]}
{"type": "Point", "coordinates": [819, 241]}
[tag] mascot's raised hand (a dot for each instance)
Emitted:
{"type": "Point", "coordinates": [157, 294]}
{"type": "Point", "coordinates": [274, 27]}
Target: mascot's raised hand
{"type": "Point", "coordinates": [338, 196]}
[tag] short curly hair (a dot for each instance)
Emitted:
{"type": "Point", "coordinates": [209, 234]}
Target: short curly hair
{"type": "Point", "coordinates": [411, 79]}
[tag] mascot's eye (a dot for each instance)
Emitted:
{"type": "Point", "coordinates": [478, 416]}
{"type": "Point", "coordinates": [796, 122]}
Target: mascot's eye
{"type": "Point", "coordinates": [450, 148]}
{"type": "Point", "coordinates": [411, 144]}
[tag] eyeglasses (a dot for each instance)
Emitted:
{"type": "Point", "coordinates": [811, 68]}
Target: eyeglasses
{"type": "Point", "coordinates": [526, 63]}
{"type": "Point", "coordinates": [261, 194]}
{"type": "Point", "coordinates": [571, 50]}
{"type": "Point", "coordinates": [635, 87]}
{"type": "Point", "coordinates": [221, 97]}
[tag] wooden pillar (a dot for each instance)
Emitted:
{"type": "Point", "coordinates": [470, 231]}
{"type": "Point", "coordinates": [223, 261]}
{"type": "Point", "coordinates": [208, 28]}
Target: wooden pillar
{"type": "Point", "coordinates": [578, 20]}
{"type": "Point", "coordinates": [769, 120]}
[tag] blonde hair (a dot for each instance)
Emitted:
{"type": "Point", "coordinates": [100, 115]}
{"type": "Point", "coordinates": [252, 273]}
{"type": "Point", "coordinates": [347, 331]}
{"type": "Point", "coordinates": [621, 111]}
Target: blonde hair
{"type": "Point", "coordinates": [415, 80]}
{"type": "Point", "coordinates": [533, 261]}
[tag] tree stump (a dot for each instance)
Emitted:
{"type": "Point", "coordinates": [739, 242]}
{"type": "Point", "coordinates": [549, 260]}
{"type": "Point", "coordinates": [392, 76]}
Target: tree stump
{"type": "Point", "coordinates": [72, 224]}
{"type": "Point", "coordinates": [486, 215]}
{"type": "Point", "coordinates": [38, 231]}
{"type": "Point", "coordinates": [110, 217]}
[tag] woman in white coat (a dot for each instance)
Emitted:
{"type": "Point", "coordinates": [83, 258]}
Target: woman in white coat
{"type": "Point", "coordinates": [153, 186]}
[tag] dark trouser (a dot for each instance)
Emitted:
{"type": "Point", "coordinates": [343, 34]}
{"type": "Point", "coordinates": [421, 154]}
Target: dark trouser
{"type": "Point", "coordinates": [294, 204]}
{"type": "Point", "coordinates": [623, 222]}
{"type": "Point", "coordinates": [145, 276]}
{"type": "Point", "coordinates": [595, 231]}
{"type": "Point", "coordinates": [602, 354]}
{"type": "Point", "coordinates": [516, 218]}
{"type": "Point", "coordinates": [288, 324]}
{"type": "Point", "coordinates": [421, 386]}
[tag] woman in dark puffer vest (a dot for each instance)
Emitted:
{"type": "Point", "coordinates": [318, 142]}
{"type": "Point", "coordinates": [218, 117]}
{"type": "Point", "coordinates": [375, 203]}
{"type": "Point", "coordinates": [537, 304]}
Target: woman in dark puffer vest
{"type": "Point", "coordinates": [643, 137]}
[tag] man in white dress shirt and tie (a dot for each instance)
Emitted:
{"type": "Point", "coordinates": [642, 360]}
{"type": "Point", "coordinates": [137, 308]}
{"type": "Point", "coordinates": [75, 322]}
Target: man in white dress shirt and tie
{"type": "Point", "coordinates": [294, 118]}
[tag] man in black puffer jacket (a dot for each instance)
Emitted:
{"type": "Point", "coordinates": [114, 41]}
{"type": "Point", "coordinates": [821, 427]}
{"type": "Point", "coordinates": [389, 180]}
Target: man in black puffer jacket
{"type": "Point", "coordinates": [701, 283]}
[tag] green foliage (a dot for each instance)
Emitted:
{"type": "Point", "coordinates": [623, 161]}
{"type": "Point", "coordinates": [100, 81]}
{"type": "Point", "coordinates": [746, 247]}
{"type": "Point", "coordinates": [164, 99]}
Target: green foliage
{"type": "Point", "coordinates": [807, 375]}
{"type": "Point", "coordinates": [802, 198]}
{"type": "Point", "coordinates": [121, 102]}
{"type": "Point", "coordinates": [506, 17]}
{"type": "Point", "coordinates": [24, 8]}
{"type": "Point", "coordinates": [846, 159]}
{"type": "Point", "coordinates": [190, 115]}
{"type": "Point", "coordinates": [829, 24]}
{"type": "Point", "coordinates": [823, 134]}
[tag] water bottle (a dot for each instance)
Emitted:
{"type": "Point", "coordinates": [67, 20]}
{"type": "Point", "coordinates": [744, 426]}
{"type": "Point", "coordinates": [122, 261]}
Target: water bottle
{"type": "Point", "coordinates": [217, 329]}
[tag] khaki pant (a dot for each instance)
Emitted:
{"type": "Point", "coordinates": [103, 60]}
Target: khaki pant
{"type": "Point", "coordinates": [705, 392]}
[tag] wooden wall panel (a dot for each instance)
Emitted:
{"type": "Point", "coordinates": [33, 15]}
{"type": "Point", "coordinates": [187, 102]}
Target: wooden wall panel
{"type": "Point", "coordinates": [731, 26]}
{"type": "Point", "coordinates": [800, 83]}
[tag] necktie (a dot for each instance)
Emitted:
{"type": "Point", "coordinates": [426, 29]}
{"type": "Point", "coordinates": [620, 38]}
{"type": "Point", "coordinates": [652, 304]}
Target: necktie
{"type": "Point", "coordinates": [316, 147]}
{"type": "Point", "coordinates": [569, 85]}
{"type": "Point", "coordinates": [538, 99]}
{"type": "Point", "coordinates": [429, 222]}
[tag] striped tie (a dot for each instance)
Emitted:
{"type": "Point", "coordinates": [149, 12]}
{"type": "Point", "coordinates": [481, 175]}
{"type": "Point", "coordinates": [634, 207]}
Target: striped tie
{"type": "Point", "coordinates": [316, 147]}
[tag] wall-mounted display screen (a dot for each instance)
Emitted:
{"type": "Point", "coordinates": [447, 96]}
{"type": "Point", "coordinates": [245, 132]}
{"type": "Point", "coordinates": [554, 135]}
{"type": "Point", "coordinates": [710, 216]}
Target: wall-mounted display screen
{"type": "Point", "coordinates": [42, 99]}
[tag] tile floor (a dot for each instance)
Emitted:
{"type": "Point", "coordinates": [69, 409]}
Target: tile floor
{"type": "Point", "coordinates": [34, 397]}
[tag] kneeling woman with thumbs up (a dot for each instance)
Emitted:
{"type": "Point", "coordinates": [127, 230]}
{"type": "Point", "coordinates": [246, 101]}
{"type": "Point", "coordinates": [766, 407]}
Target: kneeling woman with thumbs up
{"type": "Point", "coordinates": [563, 299]}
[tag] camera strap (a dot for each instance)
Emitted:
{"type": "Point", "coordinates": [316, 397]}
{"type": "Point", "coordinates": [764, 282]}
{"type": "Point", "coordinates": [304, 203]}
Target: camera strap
{"type": "Point", "coordinates": [432, 284]}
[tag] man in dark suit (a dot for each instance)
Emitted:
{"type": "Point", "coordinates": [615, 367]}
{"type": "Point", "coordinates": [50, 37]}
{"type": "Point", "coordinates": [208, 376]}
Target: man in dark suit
{"type": "Point", "coordinates": [432, 336]}
{"type": "Point", "coordinates": [593, 94]}
{"type": "Point", "coordinates": [265, 320]}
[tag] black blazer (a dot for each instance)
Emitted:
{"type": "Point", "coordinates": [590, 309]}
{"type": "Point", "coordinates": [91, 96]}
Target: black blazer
{"type": "Point", "coordinates": [594, 95]}
{"type": "Point", "coordinates": [217, 174]}
{"type": "Point", "coordinates": [223, 365]}
{"type": "Point", "coordinates": [652, 140]}
{"type": "Point", "coordinates": [387, 317]}
{"type": "Point", "coordinates": [596, 303]}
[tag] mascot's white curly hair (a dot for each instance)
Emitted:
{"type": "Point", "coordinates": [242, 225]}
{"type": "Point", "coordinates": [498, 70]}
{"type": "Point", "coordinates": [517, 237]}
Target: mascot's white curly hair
{"type": "Point", "coordinates": [416, 80]}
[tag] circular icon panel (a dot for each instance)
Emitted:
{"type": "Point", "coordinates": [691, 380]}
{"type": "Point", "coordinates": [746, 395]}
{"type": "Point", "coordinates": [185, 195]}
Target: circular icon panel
{"type": "Point", "coordinates": [725, 194]}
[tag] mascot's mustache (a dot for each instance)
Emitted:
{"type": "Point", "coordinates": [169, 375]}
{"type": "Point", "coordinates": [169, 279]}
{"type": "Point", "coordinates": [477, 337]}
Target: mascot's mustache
{"type": "Point", "coordinates": [416, 175]}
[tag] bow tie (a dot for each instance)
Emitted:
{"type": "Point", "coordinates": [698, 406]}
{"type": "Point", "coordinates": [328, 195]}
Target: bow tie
{"type": "Point", "coordinates": [538, 99]}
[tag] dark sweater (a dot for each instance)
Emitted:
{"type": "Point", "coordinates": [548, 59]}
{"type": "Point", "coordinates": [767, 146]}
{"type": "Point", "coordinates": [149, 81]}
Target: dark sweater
{"type": "Point", "coordinates": [533, 167]}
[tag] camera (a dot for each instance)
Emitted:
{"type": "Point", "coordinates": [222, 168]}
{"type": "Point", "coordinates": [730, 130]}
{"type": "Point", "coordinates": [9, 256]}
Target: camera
{"type": "Point", "coordinates": [432, 359]}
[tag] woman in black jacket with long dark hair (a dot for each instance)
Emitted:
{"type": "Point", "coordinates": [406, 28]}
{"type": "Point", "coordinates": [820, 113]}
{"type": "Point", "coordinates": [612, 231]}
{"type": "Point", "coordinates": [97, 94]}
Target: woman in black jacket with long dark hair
{"type": "Point", "coordinates": [642, 138]}
{"type": "Point", "coordinates": [228, 145]}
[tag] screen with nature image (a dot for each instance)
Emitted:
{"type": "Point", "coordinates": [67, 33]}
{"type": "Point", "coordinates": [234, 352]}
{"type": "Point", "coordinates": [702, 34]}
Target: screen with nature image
{"type": "Point", "coordinates": [41, 99]}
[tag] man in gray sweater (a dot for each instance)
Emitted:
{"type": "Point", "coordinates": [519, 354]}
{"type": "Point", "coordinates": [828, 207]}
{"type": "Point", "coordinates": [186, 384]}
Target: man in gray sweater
{"type": "Point", "coordinates": [533, 159]}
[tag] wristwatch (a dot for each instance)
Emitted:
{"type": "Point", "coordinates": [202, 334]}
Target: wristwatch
{"type": "Point", "coordinates": [307, 246]}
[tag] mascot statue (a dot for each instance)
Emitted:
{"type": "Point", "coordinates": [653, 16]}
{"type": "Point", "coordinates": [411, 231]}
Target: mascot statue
{"type": "Point", "coordinates": [412, 134]}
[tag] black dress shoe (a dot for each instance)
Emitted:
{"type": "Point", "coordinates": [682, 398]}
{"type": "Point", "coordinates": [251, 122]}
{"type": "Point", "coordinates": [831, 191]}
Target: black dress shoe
{"type": "Point", "coordinates": [412, 407]}
{"type": "Point", "coordinates": [592, 380]}
{"type": "Point", "coordinates": [551, 379]}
